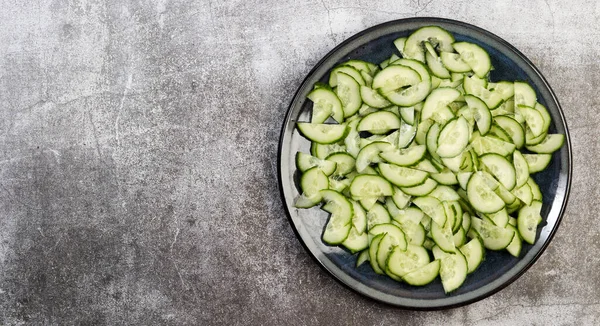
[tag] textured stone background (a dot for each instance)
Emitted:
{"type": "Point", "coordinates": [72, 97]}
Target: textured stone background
{"type": "Point", "coordinates": [137, 162]}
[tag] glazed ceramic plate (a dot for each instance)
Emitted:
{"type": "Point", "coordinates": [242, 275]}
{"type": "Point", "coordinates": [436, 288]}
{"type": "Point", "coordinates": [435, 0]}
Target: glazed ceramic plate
{"type": "Point", "coordinates": [499, 268]}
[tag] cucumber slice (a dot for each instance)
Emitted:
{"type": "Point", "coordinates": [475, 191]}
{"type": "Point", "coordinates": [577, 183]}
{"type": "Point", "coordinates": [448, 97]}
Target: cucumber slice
{"type": "Point", "coordinates": [370, 154]}
{"type": "Point", "coordinates": [500, 218]}
{"type": "Point", "coordinates": [415, 232]}
{"type": "Point", "coordinates": [348, 91]}
{"type": "Point", "coordinates": [528, 220]}
{"type": "Point", "coordinates": [359, 217]}
{"type": "Point", "coordinates": [347, 70]}
{"type": "Point", "coordinates": [373, 246]}
{"type": "Point", "coordinates": [521, 169]}
{"type": "Point", "coordinates": [401, 200]}
{"type": "Point", "coordinates": [446, 177]}
{"type": "Point", "coordinates": [432, 141]}
{"type": "Point", "coordinates": [380, 122]}
{"type": "Point", "coordinates": [402, 262]}
{"type": "Point", "coordinates": [545, 115]}
{"type": "Point", "coordinates": [356, 241]}
{"type": "Point", "coordinates": [427, 166]}
{"type": "Point", "coordinates": [409, 215]}
{"type": "Point", "coordinates": [493, 237]}
{"type": "Point", "coordinates": [372, 98]}
{"type": "Point", "coordinates": [524, 94]}
{"type": "Point", "coordinates": [474, 253]}
{"type": "Point", "coordinates": [352, 140]}
{"type": "Point", "coordinates": [322, 133]}
{"type": "Point", "coordinates": [313, 181]}
{"type": "Point", "coordinates": [486, 144]}
{"type": "Point", "coordinates": [422, 130]}
{"type": "Point", "coordinates": [459, 238]}
{"type": "Point", "coordinates": [305, 161]}
{"type": "Point", "coordinates": [325, 104]}
{"type": "Point", "coordinates": [481, 197]}
{"type": "Point", "coordinates": [442, 236]}
{"type": "Point", "coordinates": [453, 62]}
{"type": "Point", "coordinates": [481, 113]}
{"type": "Point", "coordinates": [550, 144]}
{"type": "Point", "coordinates": [432, 207]}
{"type": "Point", "coordinates": [435, 63]}
{"type": "Point", "coordinates": [358, 65]}
{"type": "Point", "coordinates": [533, 119]}
{"type": "Point", "coordinates": [515, 246]}
{"type": "Point", "coordinates": [444, 193]}
{"type": "Point", "coordinates": [423, 275]}
{"type": "Point", "coordinates": [395, 77]}
{"type": "Point", "coordinates": [408, 115]}
{"type": "Point", "coordinates": [370, 186]}
{"type": "Point", "coordinates": [344, 163]}
{"type": "Point", "coordinates": [505, 89]}
{"type": "Point", "coordinates": [475, 56]}
{"type": "Point", "coordinates": [524, 194]}
{"type": "Point", "coordinates": [401, 176]}
{"type": "Point", "coordinates": [536, 193]}
{"type": "Point", "coordinates": [421, 190]}
{"type": "Point", "coordinates": [438, 99]}
{"type": "Point", "coordinates": [399, 43]}
{"type": "Point", "coordinates": [501, 169]}
{"type": "Point", "coordinates": [386, 246]}
{"type": "Point", "coordinates": [406, 134]}
{"type": "Point", "coordinates": [405, 157]}
{"type": "Point", "coordinates": [435, 35]}
{"type": "Point", "coordinates": [362, 258]}
{"type": "Point", "coordinates": [473, 85]}
{"type": "Point", "coordinates": [453, 271]}
{"type": "Point", "coordinates": [513, 129]}
{"type": "Point", "coordinates": [392, 230]}
{"type": "Point", "coordinates": [340, 222]}
{"type": "Point", "coordinates": [453, 138]}
{"type": "Point", "coordinates": [377, 215]}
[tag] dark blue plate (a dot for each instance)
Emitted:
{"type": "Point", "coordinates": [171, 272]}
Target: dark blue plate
{"type": "Point", "coordinates": [499, 268]}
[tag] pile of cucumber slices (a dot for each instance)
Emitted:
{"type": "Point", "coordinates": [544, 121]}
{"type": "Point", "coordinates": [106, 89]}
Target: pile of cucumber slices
{"type": "Point", "coordinates": [424, 163]}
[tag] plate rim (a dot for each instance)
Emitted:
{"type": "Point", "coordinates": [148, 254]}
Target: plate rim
{"type": "Point", "coordinates": [521, 56]}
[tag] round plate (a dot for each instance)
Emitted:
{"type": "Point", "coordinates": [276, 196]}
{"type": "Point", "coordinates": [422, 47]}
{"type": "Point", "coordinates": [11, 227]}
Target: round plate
{"type": "Point", "coordinates": [499, 268]}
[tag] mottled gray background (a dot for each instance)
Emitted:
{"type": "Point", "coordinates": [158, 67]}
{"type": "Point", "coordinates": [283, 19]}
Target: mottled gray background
{"type": "Point", "coordinates": [138, 144]}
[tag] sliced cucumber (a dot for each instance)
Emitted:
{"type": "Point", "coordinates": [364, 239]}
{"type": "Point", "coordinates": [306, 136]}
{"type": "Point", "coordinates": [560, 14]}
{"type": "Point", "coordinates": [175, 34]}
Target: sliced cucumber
{"type": "Point", "coordinates": [305, 161]}
{"type": "Point", "coordinates": [370, 186]}
{"type": "Point", "coordinates": [501, 169]}
{"type": "Point", "coordinates": [325, 104]}
{"type": "Point", "coordinates": [362, 258]}
{"type": "Point", "coordinates": [322, 133]}
{"type": "Point", "coordinates": [340, 222]}
{"type": "Point", "coordinates": [423, 275]}
{"type": "Point", "coordinates": [481, 197]}
{"type": "Point", "coordinates": [402, 176]}
{"type": "Point", "coordinates": [421, 190]}
{"type": "Point", "coordinates": [402, 262]}
{"type": "Point", "coordinates": [453, 271]}
{"type": "Point", "coordinates": [474, 253]}
{"type": "Point", "coordinates": [426, 153]}
{"type": "Point", "coordinates": [481, 113]}
{"type": "Point", "coordinates": [376, 215]}
{"type": "Point", "coordinates": [549, 145]}
{"type": "Point", "coordinates": [493, 237]}
{"type": "Point", "coordinates": [537, 162]}
{"type": "Point", "coordinates": [528, 220]}
{"type": "Point", "coordinates": [453, 138]}
{"type": "Point", "coordinates": [433, 34]}
{"type": "Point", "coordinates": [475, 56]}
{"type": "Point", "coordinates": [405, 157]}
{"type": "Point", "coordinates": [454, 63]}
{"type": "Point", "coordinates": [348, 91]}
{"type": "Point", "coordinates": [380, 122]}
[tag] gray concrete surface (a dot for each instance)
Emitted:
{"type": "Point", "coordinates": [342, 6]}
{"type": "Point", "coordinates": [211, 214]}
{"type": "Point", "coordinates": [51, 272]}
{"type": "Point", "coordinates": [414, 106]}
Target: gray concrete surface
{"type": "Point", "coordinates": [138, 151]}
